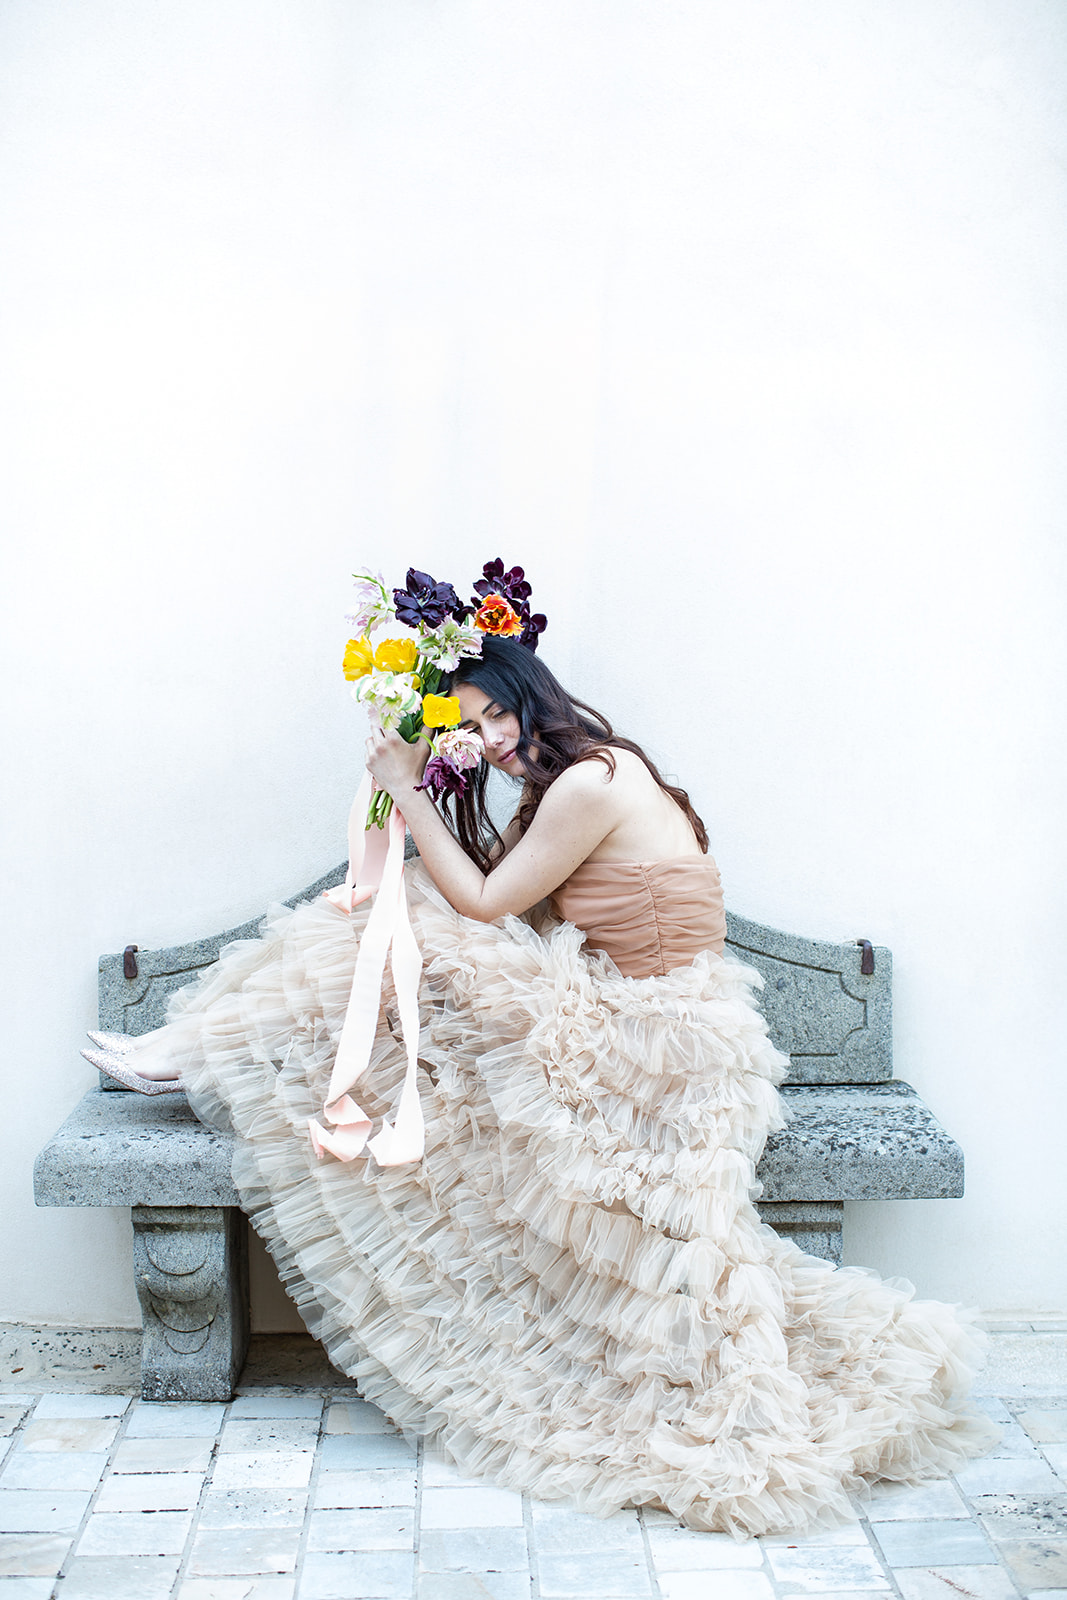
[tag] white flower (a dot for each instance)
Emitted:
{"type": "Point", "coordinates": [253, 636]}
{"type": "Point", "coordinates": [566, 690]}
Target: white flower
{"type": "Point", "coordinates": [373, 605]}
{"type": "Point", "coordinates": [460, 747]}
{"type": "Point", "coordinates": [388, 696]}
{"type": "Point", "coordinates": [445, 645]}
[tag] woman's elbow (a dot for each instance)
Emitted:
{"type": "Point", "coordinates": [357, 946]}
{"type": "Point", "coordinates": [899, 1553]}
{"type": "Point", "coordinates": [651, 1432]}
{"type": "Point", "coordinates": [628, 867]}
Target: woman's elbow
{"type": "Point", "coordinates": [488, 909]}
{"type": "Point", "coordinates": [471, 908]}
{"type": "Point", "coordinates": [481, 913]}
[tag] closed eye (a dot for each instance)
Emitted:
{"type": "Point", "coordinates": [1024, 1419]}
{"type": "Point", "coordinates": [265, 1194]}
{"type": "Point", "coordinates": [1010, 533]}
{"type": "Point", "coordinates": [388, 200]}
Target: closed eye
{"type": "Point", "coordinates": [490, 714]}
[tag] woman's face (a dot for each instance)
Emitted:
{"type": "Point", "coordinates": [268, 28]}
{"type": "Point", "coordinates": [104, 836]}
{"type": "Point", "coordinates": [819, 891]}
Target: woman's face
{"type": "Point", "coordinates": [499, 729]}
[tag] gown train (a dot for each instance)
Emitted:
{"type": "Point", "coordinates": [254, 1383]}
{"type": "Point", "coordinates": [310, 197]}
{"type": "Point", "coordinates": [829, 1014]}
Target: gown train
{"type": "Point", "coordinates": [572, 1294]}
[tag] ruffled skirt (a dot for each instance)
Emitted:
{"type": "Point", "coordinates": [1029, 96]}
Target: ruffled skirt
{"type": "Point", "coordinates": [572, 1294]}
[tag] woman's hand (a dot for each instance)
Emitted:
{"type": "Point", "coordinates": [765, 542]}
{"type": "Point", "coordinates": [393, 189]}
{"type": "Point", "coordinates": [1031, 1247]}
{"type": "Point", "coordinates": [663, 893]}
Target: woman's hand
{"type": "Point", "coordinates": [395, 765]}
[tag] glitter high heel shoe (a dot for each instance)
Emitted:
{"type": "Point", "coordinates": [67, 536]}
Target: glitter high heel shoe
{"type": "Point", "coordinates": [114, 1067]}
{"type": "Point", "coordinates": [115, 1044]}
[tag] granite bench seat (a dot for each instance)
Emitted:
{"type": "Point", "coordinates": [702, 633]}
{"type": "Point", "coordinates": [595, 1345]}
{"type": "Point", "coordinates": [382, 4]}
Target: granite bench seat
{"type": "Point", "coordinates": [854, 1133]}
{"type": "Point", "coordinates": [873, 1141]}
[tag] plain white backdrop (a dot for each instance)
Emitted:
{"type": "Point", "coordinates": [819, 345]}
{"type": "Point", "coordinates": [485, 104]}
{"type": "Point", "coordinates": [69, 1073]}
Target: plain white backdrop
{"type": "Point", "coordinates": [740, 326]}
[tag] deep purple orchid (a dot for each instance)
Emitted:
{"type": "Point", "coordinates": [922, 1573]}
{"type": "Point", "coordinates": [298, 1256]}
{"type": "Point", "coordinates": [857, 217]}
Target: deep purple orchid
{"type": "Point", "coordinates": [441, 777]}
{"type": "Point", "coordinates": [427, 601]}
{"type": "Point", "coordinates": [514, 588]}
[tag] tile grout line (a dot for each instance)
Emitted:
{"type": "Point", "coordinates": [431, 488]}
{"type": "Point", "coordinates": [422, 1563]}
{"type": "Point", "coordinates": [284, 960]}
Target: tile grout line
{"type": "Point", "coordinates": [650, 1563]}
{"type": "Point", "coordinates": [531, 1549]}
{"type": "Point", "coordinates": [992, 1543]}
{"type": "Point", "coordinates": [124, 1422]}
{"type": "Point", "coordinates": [19, 1426]}
{"type": "Point", "coordinates": [1010, 1407]}
{"type": "Point", "coordinates": [878, 1554]}
{"type": "Point", "coordinates": [766, 1568]}
{"type": "Point", "coordinates": [10, 1451]}
{"type": "Point", "coordinates": [972, 1517]}
{"type": "Point", "coordinates": [313, 1482]}
{"type": "Point", "coordinates": [416, 1528]}
{"type": "Point", "coordinates": [194, 1523]}
{"type": "Point", "coordinates": [968, 1501]}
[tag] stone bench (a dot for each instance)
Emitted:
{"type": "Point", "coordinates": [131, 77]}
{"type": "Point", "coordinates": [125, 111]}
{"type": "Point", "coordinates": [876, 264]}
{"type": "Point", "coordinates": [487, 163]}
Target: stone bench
{"type": "Point", "coordinates": [855, 1133]}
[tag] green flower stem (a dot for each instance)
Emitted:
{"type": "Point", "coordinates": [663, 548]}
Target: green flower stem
{"type": "Point", "coordinates": [381, 801]}
{"type": "Point", "coordinates": [379, 809]}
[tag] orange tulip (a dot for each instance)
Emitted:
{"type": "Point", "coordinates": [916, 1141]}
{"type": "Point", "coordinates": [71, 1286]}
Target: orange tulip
{"type": "Point", "coordinates": [496, 616]}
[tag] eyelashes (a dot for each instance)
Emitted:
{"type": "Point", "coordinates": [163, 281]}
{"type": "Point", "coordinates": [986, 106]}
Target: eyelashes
{"type": "Point", "coordinates": [491, 713]}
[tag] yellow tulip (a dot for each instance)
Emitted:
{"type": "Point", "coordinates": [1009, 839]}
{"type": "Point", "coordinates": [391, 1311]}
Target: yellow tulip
{"type": "Point", "coordinates": [396, 655]}
{"type": "Point", "coordinates": [440, 711]}
{"type": "Point", "coordinates": [359, 659]}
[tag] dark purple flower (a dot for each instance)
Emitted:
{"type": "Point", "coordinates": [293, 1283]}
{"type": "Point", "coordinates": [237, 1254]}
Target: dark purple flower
{"type": "Point", "coordinates": [517, 591]}
{"type": "Point", "coordinates": [533, 626]}
{"type": "Point", "coordinates": [427, 601]}
{"type": "Point", "coordinates": [512, 585]}
{"type": "Point", "coordinates": [441, 777]}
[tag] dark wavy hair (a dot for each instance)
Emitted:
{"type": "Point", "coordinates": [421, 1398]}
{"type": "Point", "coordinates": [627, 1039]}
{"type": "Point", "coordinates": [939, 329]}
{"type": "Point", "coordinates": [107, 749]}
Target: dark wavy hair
{"type": "Point", "coordinates": [555, 732]}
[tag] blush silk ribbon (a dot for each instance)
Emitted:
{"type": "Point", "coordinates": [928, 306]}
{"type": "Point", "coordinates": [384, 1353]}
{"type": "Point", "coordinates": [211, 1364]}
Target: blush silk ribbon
{"type": "Point", "coordinates": [375, 867]}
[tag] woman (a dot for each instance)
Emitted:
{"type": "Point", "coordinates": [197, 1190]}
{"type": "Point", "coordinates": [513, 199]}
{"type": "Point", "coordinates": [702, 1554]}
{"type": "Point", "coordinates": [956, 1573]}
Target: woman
{"type": "Point", "coordinates": [589, 799]}
{"type": "Point", "coordinates": [572, 1293]}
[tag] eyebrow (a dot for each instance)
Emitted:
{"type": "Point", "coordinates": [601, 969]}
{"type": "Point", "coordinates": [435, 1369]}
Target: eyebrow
{"type": "Point", "coordinates": [489, 707]}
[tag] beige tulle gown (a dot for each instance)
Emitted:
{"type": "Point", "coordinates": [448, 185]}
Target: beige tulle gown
{"type": "Point", "coordinates": [572, 1294]}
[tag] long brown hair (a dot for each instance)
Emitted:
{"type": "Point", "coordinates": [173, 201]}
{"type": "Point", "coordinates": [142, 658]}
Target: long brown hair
{"type": "Point", "coordinates": [556, 731]}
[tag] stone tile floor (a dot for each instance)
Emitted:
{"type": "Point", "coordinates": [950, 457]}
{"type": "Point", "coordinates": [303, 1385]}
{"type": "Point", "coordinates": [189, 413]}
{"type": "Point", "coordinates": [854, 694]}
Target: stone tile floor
{"type": "Point", "coordinates": [305, 1492]}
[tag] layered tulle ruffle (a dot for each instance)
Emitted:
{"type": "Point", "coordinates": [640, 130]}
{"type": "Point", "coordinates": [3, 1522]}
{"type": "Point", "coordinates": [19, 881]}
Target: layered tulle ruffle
{"type": "Point", "coordinates": [572, 1294]}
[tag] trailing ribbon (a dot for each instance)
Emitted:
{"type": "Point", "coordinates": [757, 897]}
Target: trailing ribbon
{"type": "Point", "coordinates": [375, 866]}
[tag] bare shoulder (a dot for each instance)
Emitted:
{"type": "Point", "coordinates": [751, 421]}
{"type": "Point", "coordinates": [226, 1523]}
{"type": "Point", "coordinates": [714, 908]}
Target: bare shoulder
{"type": "Point", "coordinates": [588, 774]}
{"type": "Point", "coordinates": [622, 769]}
{"type": "Point", "coordinates": [594, 775]}
{"type": "Point", "coordinates": [606, 783]}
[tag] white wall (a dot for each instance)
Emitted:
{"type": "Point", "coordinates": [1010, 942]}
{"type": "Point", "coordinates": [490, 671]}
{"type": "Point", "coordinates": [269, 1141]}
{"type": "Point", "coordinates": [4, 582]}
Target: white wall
{"type": "Point", "coordinates": [740, 325]}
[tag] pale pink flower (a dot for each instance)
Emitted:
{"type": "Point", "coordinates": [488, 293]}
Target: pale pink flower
{"type": "Point", "coordinates": [460, 747]}
{"type": "Point", "coordinates": [373, 605]}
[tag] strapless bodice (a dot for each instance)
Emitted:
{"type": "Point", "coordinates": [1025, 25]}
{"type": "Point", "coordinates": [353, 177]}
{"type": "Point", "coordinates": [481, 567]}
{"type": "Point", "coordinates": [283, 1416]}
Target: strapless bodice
{"type": "Point", "coordinates": [648, 916]}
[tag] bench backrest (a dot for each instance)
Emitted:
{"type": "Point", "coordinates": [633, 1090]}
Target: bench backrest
{"type": "Point", "coordinates": [833, 1020]}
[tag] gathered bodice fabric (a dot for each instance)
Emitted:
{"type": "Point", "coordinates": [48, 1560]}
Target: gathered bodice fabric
{"type": "Point", "coordinates": [648, 916]}
{"type": "Point", "coordinates": [572, 1293]}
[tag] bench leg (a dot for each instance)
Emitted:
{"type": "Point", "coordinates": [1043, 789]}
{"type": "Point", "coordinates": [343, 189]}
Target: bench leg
{"type": "Point", "coordinates": [814, 1225]}
{"type": "Point", "coordinates": [191, 1270]}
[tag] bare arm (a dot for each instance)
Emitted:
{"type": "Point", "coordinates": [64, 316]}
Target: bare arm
{"type": "Point", "coordinates": [510, 837]}
{"type": "Point", "coordinates": [576, 814]}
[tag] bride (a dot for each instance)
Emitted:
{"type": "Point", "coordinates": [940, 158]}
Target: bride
{"type": "Point", "coordinates": [572, 1293]}
{"type": "Point", "coordinates": [589, 798]}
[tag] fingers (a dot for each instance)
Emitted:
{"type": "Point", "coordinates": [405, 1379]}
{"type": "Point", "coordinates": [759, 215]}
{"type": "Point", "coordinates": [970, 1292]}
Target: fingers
{"type": "Point", "coordinates": [379, 743]}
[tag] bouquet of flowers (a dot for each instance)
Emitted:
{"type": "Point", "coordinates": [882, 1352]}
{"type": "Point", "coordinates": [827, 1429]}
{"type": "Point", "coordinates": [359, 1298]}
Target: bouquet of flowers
{"type": "Point", "coordinates": [397, 679]}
